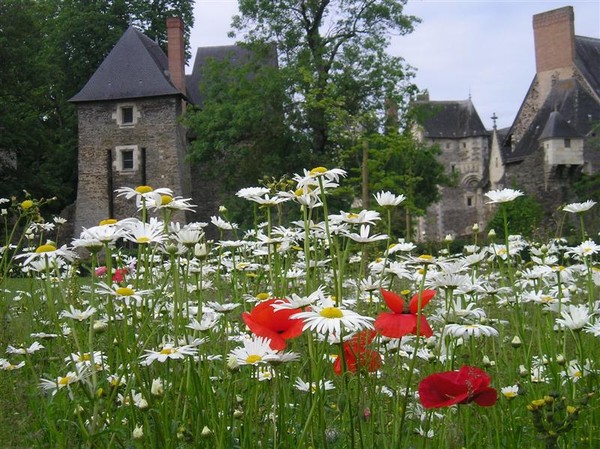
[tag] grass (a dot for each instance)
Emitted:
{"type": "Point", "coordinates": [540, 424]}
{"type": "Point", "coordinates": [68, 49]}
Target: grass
{"type": "Point", "coordinates": [172, 355]}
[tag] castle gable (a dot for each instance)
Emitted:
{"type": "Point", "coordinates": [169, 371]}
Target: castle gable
{"type": "Point", "coordinates": [450, 120]}
{"type": "Point", "coordinates": [135, 68]}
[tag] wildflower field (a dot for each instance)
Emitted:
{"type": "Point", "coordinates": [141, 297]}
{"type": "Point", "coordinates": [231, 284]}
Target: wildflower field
{"type": "Point", "coordinates": [326, 332]}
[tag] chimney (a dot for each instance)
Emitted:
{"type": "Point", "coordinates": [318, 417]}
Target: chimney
{"type": "Point", "coordinates": [554, 35]}
{"type": "Point", "coordinates": [176, 52]}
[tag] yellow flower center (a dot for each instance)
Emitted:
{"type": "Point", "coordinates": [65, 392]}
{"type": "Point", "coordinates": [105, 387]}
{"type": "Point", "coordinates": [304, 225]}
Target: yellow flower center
{"type": "Point", "coordinates": [62, 381]}
{"type": "Point", "coordinates": [351, 215]}
{"type": "Point", "coordinates": [167, 351]}
{"type": "Point", "coordinates": [125, 291]}
{"type": "Point", "coordinates": [108, 221]}
{"type": "Point", "coordinates": [253, 358]}
{"type": "Point", "coordinates": [509, 394]}
{"type": "Point", "coordinates": [143, 239]}
{"type": "Point", "coordinates": [317, 171]}
{"type": "Point", "coordinates": [331, 312]}
{"type": "Point", "coordinates": [299, 192]}
{"type": "Point", "coordinates": [426, 257]}
{"type": "Point", "coordinates": [85, 357]}
{"type": "Point", "coordinates": [165, 199]}
{"type": "Point", "coordinates": [27, 204]}
{"type": "Point", "coordinates": [45, 249]}
{"type": "Point", "coordinates": [405, 292]}
{"type": "Point", "coordinates": [262, 296]}
{"type": "Point", "coordinates": [143, 189]}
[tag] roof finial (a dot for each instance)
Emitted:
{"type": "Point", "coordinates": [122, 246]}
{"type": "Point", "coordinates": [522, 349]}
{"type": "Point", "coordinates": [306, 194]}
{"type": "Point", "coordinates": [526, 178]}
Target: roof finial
{"type": "Point", "coordinates": [494, 117]}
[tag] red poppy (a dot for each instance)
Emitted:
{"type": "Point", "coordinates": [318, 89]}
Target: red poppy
{"type": "Point", "coordinates": [357, 355]}
{"type": "Point", "coordinates": [469, 384]}
{"type": "Point", "coordinates": [119, 275]}
{"type": "Point", "coordinates": [402, 320]}
{"type": "Point", "coordinates": [265, 321]}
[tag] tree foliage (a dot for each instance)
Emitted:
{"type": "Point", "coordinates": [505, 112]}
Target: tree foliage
{"type": "Point", "coordinates": [524, 216]}
{"type": "Point", "coordinates": [48, 51]}
{"type": "Point", "coordinates": [333, 58]}
{"type": "Point", "coordinates": [398, 163]}
{"type": "Point", "coordinates": [239, 129]}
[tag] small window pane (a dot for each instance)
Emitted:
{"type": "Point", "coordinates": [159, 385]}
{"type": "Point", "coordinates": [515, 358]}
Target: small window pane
{"type": "Point", "coordinates": [126, 115]}
{"type": "Point", "coordinates": [127, 160]}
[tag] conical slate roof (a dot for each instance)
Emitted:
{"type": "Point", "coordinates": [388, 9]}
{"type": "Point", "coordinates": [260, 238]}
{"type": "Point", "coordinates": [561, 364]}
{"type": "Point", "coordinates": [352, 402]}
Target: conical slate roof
{"type": "Point", "coordinates": [136, 67]}
{"type": "Point", "coordinates": [558, 127]}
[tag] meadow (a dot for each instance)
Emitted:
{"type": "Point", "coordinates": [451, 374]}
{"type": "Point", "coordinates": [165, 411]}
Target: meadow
{"type": "Point", "coordinates": [325, 332]}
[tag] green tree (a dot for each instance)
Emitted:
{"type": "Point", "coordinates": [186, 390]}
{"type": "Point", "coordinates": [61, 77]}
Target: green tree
{"type": "Point", "coordinates": [48, 51]}
{"type": "Point", "coordinates": [524, 216]}
{"type": "Point", "coordinates": [398, 163]}
{"type": "Point", "coordinates": [333, 58]}
{"type": "Point", "coordinates": [240, 127]}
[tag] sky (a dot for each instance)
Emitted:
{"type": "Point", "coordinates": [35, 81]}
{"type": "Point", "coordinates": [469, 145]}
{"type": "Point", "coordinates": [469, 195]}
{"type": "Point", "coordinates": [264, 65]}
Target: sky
{"type": "Point", "coordinates": [478, 49]}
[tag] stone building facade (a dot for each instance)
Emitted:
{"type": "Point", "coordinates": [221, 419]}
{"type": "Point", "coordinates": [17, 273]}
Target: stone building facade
{"type": "Point", "coordinates": [550, 144]}
{"type": "Point", "coordinates": [130, 132]}
{"type": "Point", "coordinates": [455, 127]}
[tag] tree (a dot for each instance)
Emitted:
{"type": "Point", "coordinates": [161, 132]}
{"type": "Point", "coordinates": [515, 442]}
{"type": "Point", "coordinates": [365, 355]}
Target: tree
{"type": "Point", "coordinates": [48, 51]}
{"type": "Point", "coordinates": [332, 56]}
{"type": "Point", "coordinates": [399, 163]}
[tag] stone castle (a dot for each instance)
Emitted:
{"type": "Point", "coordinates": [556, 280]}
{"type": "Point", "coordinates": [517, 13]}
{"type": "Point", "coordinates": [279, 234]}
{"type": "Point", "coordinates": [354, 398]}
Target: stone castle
{"type": "Point", "coordinates": [549, 145]}
{"type": "Point", "coordinates": [130, 133]}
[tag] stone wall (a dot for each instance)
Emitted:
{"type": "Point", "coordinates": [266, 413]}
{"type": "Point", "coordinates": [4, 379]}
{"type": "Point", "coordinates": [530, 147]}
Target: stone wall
{"type": "Point", "coordinates": [157, 141]}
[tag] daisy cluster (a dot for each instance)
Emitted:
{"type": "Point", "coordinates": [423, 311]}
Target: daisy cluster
{"type": "Point", "coordinates": [322, 329]}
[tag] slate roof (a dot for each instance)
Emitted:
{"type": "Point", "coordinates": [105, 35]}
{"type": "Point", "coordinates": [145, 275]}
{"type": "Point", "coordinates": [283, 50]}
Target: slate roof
{"type": "Point", "coordinates": [576, 107]}
{"type": "Point", "coordinates": [450, 119]}
{"type": "Point", "coordinates": [136, 67]}
{"type": "Point", "coordinates": [558, 127]}
{"type": "Point", "coordinates": [587, 60]}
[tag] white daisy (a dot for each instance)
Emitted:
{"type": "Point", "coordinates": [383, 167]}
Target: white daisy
{"type": "Point", "coordinates": [364, 236]}
{"type": "Point", "coordinates": [503, 196]}
{"type": "Point", "coordinates": [388, 199]}
{"type": "Point", "coordinates": [255, 351]}
{"type": "Point", "coordinates": [78, 315]}
{"type": "Point", "coordinates": [313, 387]}
{"type": "Point", "coordinates": [470, 330]}
{"type": "Point", "coordinates": [327, 318]}
{"type": "Point", "coordinates": [574, 317]}
{"type": "Point", "coordinates": [168, 351]}
{"type": "Point", "coordinates": [577, 208]}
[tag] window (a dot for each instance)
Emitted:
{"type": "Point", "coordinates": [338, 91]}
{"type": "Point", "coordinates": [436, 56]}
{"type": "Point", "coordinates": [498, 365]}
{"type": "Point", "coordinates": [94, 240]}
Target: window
{"type": "Point", "coordinates": [567, 143]}
{"type": "Point", "coordinates": [127, 160]}
{"type": "Point", "coordinates": [469, 201]}
{"type": "Point", "coordinates": [127, 115]}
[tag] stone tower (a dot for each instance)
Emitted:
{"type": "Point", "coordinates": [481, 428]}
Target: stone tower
{"type": "Point", "coordinates": [457, 129]}
{"type": "Point", "coordinates": [129, 133]}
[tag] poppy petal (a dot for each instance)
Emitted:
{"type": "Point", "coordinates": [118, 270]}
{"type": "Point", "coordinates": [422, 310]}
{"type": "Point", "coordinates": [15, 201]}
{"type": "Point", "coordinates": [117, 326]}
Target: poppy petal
{"type": "Point", "coordinates": [393, 300]}
{"type": "Point", "coordinates": [426, 296]}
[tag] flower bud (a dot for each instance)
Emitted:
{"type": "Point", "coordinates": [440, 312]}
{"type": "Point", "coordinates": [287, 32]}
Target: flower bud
{"type": "Point", "coordinates": [516, 342]}
{"type": "Point", "coordinates": [138, 433]}
{"type": "Point", "coordinates": [206, 432]}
